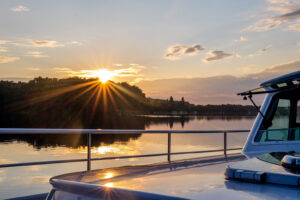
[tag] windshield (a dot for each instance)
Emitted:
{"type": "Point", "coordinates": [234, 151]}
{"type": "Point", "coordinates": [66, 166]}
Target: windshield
{"type": "Point", "coordinates": [282, 121]}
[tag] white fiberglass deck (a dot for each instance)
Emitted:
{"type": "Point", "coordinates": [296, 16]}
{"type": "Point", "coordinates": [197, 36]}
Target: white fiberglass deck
{"type": "Point", "coordinates": [201, 178]}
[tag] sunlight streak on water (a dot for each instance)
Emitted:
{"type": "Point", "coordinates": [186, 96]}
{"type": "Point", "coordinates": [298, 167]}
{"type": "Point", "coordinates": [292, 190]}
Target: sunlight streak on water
{"type": "Point", "coordinates": [108, 175]}
{"type": "Point", "coordinates": [104, 149]}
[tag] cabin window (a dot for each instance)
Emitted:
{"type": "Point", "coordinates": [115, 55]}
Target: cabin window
{"type": "Point", "coordinates": [298, 112]}
{"type": "Point", "coordinates": [281, 118]}
{"type": "Point", "coordinates": [278, 129]}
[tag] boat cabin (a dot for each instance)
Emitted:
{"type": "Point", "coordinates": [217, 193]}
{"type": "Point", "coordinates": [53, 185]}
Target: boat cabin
{"type": "Point", "coordinates": [277, 126]}
{"type": "Point", "coordinates": [273, 145]}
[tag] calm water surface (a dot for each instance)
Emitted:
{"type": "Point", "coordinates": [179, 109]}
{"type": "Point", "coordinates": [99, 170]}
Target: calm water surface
{"type": "Point", "coordinates": [18, 181]}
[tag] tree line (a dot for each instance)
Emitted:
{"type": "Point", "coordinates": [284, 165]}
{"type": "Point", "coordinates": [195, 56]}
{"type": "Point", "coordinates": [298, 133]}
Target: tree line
{"type": "Point", "coordinates": [88, 103]}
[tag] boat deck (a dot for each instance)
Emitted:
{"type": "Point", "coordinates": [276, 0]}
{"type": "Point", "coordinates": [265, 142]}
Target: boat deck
{"type": "Point", "coordinates": [200, 178]}
{"type": "Point", "coordinates": [185, 179]}
{"type": "Point", "coordinates": [102, 176]}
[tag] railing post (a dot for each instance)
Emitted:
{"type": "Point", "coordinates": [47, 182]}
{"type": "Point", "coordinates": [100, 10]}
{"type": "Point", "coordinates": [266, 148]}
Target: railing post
{"type": "Point", "coordinates": [225, 143]}
{"type": "Point", "coordinates": [169, 147]}
{"type": "Point", "coordinates": [89, 152]}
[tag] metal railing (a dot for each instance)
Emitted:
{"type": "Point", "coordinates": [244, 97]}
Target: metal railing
{"type": "Point", "coordinates": [89, 132]}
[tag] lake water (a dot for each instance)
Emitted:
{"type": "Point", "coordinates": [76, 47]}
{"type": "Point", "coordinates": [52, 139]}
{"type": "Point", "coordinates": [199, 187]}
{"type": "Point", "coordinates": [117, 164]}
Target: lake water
{"type": "Point", "coordinates": [19, 181]}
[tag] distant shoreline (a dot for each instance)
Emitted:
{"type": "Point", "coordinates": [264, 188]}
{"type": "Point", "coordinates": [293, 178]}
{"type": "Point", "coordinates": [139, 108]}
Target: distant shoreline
{"type": "Point", "coordinates": [80, 102]}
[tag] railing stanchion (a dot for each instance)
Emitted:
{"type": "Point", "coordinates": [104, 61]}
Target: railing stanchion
{"type": "Point", "coordinates": [89, 152]}
{"type": "Point", "coordinates": [225, 144]}
{"type": "Point", "coordinates": [169, 147]}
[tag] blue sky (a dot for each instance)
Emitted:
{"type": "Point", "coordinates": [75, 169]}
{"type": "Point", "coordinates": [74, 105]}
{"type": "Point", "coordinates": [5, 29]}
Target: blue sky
{"type": "Point", "coordinates": [142, 41]}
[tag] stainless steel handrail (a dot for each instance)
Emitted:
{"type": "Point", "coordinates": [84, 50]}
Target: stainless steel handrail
{"type": "Point", "coordinates": [89, 132]}
{"type": "Point", "coordinates": [105, 131]}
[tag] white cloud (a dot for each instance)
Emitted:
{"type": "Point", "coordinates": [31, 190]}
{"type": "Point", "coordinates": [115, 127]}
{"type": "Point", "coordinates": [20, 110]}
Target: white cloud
{"type": "Point", "coordinates": [7, 59]}
{"type": "Point", "coordinates": [75, 43]}
{"type": "Point", "coordinates": [265, 25]}
{"type": "Point", "coordinates": [3, 49]}
{"type": "Point", "coordinates": [20, 8]}
{"type": "Point", "coordinates": [277, 70]}
{"type": "Point", "coordinates": [279, 9]}
{"type": "Point", "coordinates": [260, 51]}
{"type": "Point", "coordinates": [284, 2]}
{"type": "Point", "coordinates": [2, 42]}
{"type": "Point", "coordinates": [279, 1]}
{"type": "Point", "coordinates": [294, 26]}
{"type": "Point", "coordinates": [118, 65]}
{"type": "Point", "coordinates": [45, 43]}
{"type": "Point", "coordinates": [35, 54]}
{"type": "Point", "coordinates": [286, 13]}
{"type": "Point", "coordinates": [176, 52]}
{"type": "Point", "coordinates": [242, 38]}
{"type": "Point", "coordinates": [216, 55]}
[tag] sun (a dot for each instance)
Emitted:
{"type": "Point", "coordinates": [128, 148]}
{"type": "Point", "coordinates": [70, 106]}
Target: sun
{"type": "Point", "coordinates": [104, 75]}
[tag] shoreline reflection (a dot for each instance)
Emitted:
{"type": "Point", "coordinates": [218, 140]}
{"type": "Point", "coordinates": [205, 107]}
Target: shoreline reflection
{"type": "Point", "coordinates": [103, 143]}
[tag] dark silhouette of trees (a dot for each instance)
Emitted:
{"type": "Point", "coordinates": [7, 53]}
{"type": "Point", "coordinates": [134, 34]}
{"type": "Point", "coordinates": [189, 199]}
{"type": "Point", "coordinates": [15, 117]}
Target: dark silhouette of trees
{"type": "Point", "coordinates": [87, 103]}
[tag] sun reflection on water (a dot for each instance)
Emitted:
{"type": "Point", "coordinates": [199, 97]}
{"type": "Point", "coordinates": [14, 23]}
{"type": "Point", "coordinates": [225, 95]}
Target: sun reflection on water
{"type": "Point", "coordinates": [105, 149]}
{"type": "Point", "coordinates": [108, 175]}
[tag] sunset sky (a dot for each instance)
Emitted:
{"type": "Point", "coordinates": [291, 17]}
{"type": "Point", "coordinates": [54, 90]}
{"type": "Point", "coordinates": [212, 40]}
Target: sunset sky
{"type": "Point", "coordinates": [205, 51]}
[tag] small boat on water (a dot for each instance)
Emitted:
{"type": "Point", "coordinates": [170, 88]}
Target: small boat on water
{"type": "Point", "coordinates": [269, 167]}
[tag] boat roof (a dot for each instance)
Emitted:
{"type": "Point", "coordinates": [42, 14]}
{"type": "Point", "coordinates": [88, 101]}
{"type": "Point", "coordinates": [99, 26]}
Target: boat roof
{"type": "Point", "coordinates": [201, 178]}
{"type": "Point", "coordinates": [285, 82]}
{"type": "Point", "coordinates": [282, 79]}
